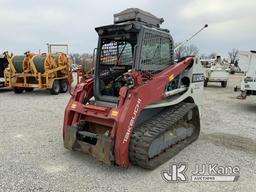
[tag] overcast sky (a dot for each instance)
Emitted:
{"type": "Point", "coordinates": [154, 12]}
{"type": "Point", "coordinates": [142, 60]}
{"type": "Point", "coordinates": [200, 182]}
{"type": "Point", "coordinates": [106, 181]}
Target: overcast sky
{"type": "Point", "coordinates": [30, 24]}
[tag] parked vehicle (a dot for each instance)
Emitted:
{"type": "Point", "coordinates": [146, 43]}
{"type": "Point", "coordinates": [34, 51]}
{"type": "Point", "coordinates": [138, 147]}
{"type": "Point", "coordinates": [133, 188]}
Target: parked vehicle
{"type": "Point", "coordinates": [247, 63]}
{"type": "Point", "coordinates": [215, 71]}
{"type": "Point", "coordinates": [3, 66]}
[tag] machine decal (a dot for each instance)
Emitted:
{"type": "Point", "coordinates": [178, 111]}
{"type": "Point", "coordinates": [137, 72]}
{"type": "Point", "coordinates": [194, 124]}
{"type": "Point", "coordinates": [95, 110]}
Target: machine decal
{"type": "Point", "coordinates": [114, 113]}
{"type": "Point", "coordinates": [198, 77]}
{"type": "Point", "coordinates": [171, 77]}
{"type": "Point", "coordinates": [132, 121]}
{"type": "Point", "coordinates": [73, 106]}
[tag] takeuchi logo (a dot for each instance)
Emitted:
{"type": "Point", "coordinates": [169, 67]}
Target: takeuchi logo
{"type": "Point", "coordinates": [132, 120]}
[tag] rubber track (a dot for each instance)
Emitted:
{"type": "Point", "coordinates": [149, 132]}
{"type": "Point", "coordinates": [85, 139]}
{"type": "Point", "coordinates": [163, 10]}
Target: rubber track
{"type": "Point", "coordinates": [144, 135]}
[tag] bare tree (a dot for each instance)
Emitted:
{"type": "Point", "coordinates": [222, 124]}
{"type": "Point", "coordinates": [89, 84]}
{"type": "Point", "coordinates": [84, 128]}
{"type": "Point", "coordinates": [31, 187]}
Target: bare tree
{"type": "Point", "coordinates": [185, 50]}
{"type": "Point", "coordinates": [203, 56]}
{"type": "Point", "coordinates": [212, 56]}
{"type": "Point", "coordinates": [233, 55]}
{"type": "Point", "coordinates": [191, 50]}
{"type": "Point", "coordinates": [178, 52]}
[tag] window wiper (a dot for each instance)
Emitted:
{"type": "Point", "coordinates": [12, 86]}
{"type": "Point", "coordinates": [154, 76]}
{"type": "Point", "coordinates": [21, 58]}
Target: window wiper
{"type": "Point", "coordinates": [156, 50]}
{"type": "Point", "coordinates": [121, 53]}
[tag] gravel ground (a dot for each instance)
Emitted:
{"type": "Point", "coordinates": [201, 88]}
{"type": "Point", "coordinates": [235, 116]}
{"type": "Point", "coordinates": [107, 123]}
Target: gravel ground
{"type": "Point", "coordinates": [32, 156]}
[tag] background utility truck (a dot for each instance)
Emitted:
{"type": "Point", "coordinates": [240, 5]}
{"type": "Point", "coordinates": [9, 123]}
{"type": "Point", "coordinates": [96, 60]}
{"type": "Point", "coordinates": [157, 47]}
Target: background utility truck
{"type": "Point", "coordinates": [216, 71]}
{"type": "Point", "coordinates": [247, 63]}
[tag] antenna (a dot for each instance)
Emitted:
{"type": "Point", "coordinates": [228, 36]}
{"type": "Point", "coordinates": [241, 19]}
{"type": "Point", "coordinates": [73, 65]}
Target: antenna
{"type": "Point", "coordinates": [184, 42]}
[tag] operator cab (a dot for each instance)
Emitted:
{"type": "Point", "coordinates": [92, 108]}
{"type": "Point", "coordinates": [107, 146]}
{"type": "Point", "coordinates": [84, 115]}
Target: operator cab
{"type": "Point", "coordinates": [134, 41]}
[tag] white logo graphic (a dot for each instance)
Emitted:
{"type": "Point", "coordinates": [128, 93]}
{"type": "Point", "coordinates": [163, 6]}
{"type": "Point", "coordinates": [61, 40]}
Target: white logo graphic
{"type": "Point", "coordinates": [176, 173]}
{"type": "Point", "coordinates": [132, 120]}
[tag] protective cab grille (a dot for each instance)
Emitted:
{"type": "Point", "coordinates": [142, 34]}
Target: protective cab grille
{"type": "Point", "coordinates": [116, 53]}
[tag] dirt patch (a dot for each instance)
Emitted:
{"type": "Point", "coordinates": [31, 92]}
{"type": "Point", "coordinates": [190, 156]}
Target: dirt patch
{"type": "Point", "coordinates": [231, 141]}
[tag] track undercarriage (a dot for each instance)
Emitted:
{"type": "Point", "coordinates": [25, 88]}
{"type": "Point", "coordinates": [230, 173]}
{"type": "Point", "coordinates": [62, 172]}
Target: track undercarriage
{"type": "Point", "coordinates": [163, 136]}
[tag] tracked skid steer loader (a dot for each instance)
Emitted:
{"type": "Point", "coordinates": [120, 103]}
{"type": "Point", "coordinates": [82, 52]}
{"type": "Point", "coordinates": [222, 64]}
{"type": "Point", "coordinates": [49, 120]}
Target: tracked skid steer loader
{"type": "Point", "coordinates": [140, 107]}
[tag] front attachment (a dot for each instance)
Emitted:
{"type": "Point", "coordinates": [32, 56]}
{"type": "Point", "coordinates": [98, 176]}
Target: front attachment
{"type": "Point", "coordinates": [96, 143]}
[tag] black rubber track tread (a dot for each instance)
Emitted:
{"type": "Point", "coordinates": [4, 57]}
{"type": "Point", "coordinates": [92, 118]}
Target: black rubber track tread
{"type": "Point", "coordinates": [144, 135]}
